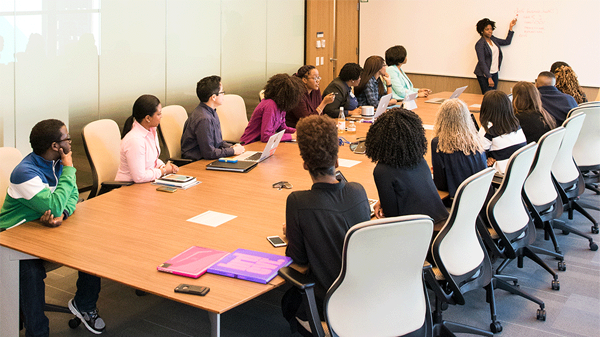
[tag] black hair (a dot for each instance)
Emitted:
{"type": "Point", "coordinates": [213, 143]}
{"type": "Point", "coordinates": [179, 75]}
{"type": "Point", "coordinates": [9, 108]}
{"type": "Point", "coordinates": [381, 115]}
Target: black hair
{"type": "Point", "coordinates": [395, 55]}
{"type": "Point", "coordinates": [304, 71]}
{"type": "Point", "coordinates": [497, 108]}
{"type": "Point", "coordinates": [285, 91]}
{"type": "Point", "coordinates": [207, 87]}
{"type": "Point", "coordinates": [547, 74]}
{"type": "Point", "coordinates": [397, 139]}
{"type": "Point", "coordinates": [481, 24]}
{"type": "Point", "coordinates": [317, 137]}
{"type": "Point", "coordinates": [145, 105]}
{"type": "Point", "coordinates": [45, 133]}
{"type": "Point", "coordinates": [350, 72]}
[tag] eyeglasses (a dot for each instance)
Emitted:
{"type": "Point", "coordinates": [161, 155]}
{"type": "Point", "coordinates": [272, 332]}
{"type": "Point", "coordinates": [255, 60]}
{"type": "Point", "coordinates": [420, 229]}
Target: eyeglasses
{"type": "Point", "coordinates": [68, 139]}
{"type": "Point", "coordinates": [314, 78]}
{"type": "Point", "coordinates": [282, 184]}
{"type": "Point", "coordinates": [219, 93]}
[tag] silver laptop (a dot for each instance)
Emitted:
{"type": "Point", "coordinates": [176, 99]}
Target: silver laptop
{"type": "Point", "coordinates": [383, 104]}
{"type": "Point", "coordinates": [455, 94]}
{"type": "Point", "coordinates": [258, 156]}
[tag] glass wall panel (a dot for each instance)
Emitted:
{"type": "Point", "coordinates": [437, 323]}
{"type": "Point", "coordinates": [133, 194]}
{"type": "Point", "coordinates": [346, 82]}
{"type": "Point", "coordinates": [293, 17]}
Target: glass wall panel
{"type": "Point", "coordinates": [7, 72]}
{"type": "Point", "coordinates": [285, 36]}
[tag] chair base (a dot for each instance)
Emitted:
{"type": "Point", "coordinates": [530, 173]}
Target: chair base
{"type": "Point", "coordinates": [448, 329]}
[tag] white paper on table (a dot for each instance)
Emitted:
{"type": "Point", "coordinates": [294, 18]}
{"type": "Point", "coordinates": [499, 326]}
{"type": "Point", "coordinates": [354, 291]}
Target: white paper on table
{"type": "Point", "coordinates": [347, 162]}
{"type": "Point", "coordinates": [427, 127]}
{"type": "Point", "coordinates": [212, 218]}
{"type": "Point", "coordinates": [475, 106]}
{"type": "Point", "coordinates": [409, 101]}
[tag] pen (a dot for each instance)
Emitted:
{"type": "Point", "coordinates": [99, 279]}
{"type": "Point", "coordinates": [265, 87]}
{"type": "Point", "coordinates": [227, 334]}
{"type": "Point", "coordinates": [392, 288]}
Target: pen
{"type": "Point", "coordinates": [225, 160]}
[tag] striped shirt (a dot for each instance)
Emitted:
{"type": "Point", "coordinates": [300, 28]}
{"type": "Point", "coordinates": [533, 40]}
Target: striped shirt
{"type": "Point", "coordinates": [501, 147]}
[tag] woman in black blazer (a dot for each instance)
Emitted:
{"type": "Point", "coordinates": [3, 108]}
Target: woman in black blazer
{"type": "Point", "coordinates": [489, 54]}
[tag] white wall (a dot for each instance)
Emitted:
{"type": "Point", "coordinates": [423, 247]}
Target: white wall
{"type": "Point", "coordinates": [82, 60]}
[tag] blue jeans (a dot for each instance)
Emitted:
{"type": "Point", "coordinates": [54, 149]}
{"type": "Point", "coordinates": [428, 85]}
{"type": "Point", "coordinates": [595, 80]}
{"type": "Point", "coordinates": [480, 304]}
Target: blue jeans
{"type": "Point", "coordinates": [32, 295]}
{"type": "Point", "coordinates": [485, 86]}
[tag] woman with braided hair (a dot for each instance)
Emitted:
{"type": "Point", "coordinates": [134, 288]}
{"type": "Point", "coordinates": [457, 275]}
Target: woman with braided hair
{"type": "Point", "coordinates": [566, 81]}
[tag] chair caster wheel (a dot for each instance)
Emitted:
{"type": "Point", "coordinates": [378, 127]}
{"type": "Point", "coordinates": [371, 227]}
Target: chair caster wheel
{"type": "Point", "coordinates": [555, 285]}
{"type": "Point", "coordinates": [595, 230]}
{"type": "Point", "coordinates": [74, 322]}
{"type": "Point", "coordinates": [140, 292]}
{"type": "Point", "coordinates": [444, 306]}
{"type": "Point", "coordinates": [593, 246]}
{"type": "Point", "coordinates": [565, 232]}
{"type": "Point", "coordinates": [495, 327]}
{"type": "Point", "coordinates": [562, 266]}
{"type": "Point", "coordinates": [541, 315]}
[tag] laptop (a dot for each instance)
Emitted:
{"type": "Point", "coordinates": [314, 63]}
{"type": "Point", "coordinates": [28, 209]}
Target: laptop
{"type": "Point", "coordinates": [455, 94]}
{"type": "Point", "coordinates": [383, 104]}
{"type": "Point", "coordinates": [258, 156]}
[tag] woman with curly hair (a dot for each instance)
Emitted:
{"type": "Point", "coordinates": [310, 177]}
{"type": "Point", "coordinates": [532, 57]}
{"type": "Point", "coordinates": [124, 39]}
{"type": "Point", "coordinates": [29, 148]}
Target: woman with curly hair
{"type": "Point", "coordinates": [282, 93]}
{"type": "Point", "coordinates": [370, 89]}
{"type": "Point", "coordinates": [397, 143]}
{"type": "Point", "coordinates": [489, 53]}
{"type": "Point", "coordinates": [311, 102]}
{"type": "Point", "coordinates": [533, 118]}
{"type": "Point", "coordinates": [456, 152]}
{"type": "Point", "coordinates": [566, 81]}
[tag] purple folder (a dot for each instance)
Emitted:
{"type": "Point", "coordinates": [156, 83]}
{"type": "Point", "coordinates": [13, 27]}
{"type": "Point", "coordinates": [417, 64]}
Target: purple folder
{"type": "Point", "coordinates": [192, 262]}
{"type": "Point", "coordinates": [250, 265]}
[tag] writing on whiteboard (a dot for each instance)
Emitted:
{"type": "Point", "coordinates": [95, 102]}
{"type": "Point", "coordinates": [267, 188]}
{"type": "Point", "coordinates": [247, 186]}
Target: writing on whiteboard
{"type": "Point", "coordinates": [533, 20]}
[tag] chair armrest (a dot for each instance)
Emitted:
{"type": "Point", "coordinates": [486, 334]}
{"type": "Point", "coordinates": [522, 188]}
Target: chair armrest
{"type": "Point", "coordinates": [180, 161]}
{"type": "Point", "coordinates": [296, 278]}
{"type": "Point", "coordinates": [115, 184]}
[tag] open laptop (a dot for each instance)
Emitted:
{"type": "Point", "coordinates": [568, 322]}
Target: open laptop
{"type": "Point", "coordinates": [455, 94]}
{"type": "Point", "coordinates": [258, 156]}
{"type": "Point", "coordinates": [383, 104]}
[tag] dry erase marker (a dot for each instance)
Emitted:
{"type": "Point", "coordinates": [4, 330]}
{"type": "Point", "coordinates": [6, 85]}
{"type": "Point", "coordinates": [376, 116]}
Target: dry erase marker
{"type": "Point", "coordinates": [225, 160]}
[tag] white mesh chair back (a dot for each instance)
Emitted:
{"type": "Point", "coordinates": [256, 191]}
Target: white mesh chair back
{"type": "Point", "coordinates": [510, 213]}
{"type": "Point", "coordinates": [102, 143]}
{"type": "Point", "coordinates": [9, 158]}
{"type": "Point", "coordinates": [379, 291]}
{"type": "Point", "coordinates": [564, 168]}
{"type": "Point", "coordinates": [171, 127]}
{"type": "Point", "coordinates": [460, 250]}
{"type": "Point", "coordinates": [586, 151]}
{"type": "Point", "coordinates": [539, 186]}
{"type": "Point", "coordinates": [591, 103]}
{"type": "Point", "coordinates": [233, 118]}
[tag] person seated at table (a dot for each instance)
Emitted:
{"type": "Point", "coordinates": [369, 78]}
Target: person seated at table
{"type": "Point", "coordinates": [533, 118]}
{"type": "Point", "coordinates": [567, 82]}
{"type": "Point", "coordinates": [341, 86]}
{"type": "Point", "coordinates": [371, 88]}
{"type": "Point", "coordinates": [202, 138]}
{"type": "Point", "coordinates": [317, 219]}
{"type": "Point", "coordinates": [139, 148]}
{"type": "Point", "coordinates": [43, 187]}
{"type": "Point", "coordinates": [397, 143]}
{"type": "Point", "coordinates": [311, 102]}
{"type": "Point", "coordinates": [456, 152]}
{"type": "Point", "coordinates": [395, 57]}
{"type": "Point", "coordinates": [557, 104]}
{"type": "Point", "coordinates": [500, 132]}
{"type": "Point", "coordinates": [282, 93]}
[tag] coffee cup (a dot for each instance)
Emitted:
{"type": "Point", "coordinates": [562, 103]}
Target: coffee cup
{"type": "Point", "coordinates": [367, 111]}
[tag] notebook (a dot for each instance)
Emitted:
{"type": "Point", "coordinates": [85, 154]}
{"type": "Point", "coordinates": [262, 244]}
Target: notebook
{"type": "Point", "coordinates": [192, 262]}
{"type": "Point", "coordinates": [258, 156]}
{"type": "Point", "coordinates": [177, 180]}
{"type": "Point", "coordinates": [455, 94]}
{"type": "Point", "coordinates": [240, 166]}
{"type": "Point", "coordinates": [250, 265]}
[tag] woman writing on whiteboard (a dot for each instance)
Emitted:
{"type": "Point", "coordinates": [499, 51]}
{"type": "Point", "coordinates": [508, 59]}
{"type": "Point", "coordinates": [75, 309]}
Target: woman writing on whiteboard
{"type": "Point", "coordinates": [489, 54]}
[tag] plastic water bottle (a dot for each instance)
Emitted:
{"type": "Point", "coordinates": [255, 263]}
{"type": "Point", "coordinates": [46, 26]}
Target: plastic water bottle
{"type": "Point", "coordinates": [341, 124]}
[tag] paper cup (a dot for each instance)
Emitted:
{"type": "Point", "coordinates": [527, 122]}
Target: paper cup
{"type": "Point", "coordinates": [367, 111]}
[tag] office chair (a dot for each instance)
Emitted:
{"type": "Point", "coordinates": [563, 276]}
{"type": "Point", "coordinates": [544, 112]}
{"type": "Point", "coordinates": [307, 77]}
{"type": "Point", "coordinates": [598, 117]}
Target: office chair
{"type": "Point", "coordinates": [380, 289]}
{"type": "Point", "coordinates": [233, 118]}
{"type": "Point", "coordinates": [171, 129]}
{"type": "Point", "coordinates": [586, 151]}
{"type": "Point", "coordinates": [569, 179]}
{"type": "Point", "coordinates": [101, 141]}
{"type": "Point", "coordinates": [461, 261]}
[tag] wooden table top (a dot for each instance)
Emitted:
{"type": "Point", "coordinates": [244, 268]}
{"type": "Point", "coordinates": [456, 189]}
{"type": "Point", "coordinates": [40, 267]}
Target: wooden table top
{"type": "Point", "coordinates": [125, 234]}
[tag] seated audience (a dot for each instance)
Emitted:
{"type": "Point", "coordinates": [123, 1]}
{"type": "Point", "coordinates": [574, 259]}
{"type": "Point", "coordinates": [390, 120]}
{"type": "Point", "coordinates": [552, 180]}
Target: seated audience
{"type": "Point", "coordinates": [311, 103]}
{"type": "Point", "coordinates": [557, 104]}
{"type": "Point", "coordinates": [397, 143]}
{"type": "Point", "coordinates": [202, 138]}
{"type": "Point", "coordinates": [456, 151]}
{"type": "Point", "coordinates": [139, 148]}
{"type": "Point", "coordinates": [282, 93]}
{"type": "Point", "coordinates": [395, 57]}
{"type": "Point", "coordinates": [566, 81]}
{"type": "Point", "coordinates": [500, 132]}
{"type": "Point", "coordinates": [533, 118]}
{"type": "Point", "coordinates": [43, 187]}
{"type": "Point", "coordinates": [371, 88]}
{"type": "Point", "coordinates": [341, 86]}
{"type": "Point", "coordinates": [317, 220]}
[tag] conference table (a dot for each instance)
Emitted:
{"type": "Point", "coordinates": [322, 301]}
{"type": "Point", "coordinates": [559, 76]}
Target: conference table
{"type": "Point", "coordinates": [125, 234]}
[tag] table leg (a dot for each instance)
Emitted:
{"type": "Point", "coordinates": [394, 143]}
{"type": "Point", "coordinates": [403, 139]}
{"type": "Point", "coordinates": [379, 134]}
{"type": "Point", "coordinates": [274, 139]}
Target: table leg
{"type": "Point", "coordinates": [215, 324]}
{"type": "Point", "coordinates": [9, 290]}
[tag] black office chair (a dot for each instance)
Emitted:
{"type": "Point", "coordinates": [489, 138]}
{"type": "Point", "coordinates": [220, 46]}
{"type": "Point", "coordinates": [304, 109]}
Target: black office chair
{"type": "Point", "coordinates": [380, 289]}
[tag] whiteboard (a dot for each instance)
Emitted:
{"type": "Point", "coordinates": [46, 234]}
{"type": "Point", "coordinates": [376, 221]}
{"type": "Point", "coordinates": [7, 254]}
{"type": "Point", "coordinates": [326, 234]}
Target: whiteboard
{"type": "Point", "coordinates": [440, 35]}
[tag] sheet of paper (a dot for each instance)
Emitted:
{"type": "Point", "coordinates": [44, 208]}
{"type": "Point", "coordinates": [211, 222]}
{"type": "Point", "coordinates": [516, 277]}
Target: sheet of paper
{"type": "Point", "coordinates": [427, 127]}
{"type": "Point", "coordinates": [476, 106]}
{"type": "Point", "coordinates": [347, 162]}
{"type": "Point", "coordinates": [212, 218]}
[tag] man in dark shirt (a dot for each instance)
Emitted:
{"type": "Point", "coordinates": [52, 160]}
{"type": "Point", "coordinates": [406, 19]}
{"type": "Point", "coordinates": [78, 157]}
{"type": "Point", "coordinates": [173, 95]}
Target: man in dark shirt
{"type": "Point", "coordinates": [202, 138]}
{"type": "Point", "coordinates": [317, 220]}
{"type": "Point", "coordinates": [557, 104]}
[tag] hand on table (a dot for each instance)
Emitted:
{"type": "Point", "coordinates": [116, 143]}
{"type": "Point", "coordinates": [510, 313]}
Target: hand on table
{"type": "Point", "coordinates": [238, 149]}
{"type": "Point", "coordinates": [48, 220]}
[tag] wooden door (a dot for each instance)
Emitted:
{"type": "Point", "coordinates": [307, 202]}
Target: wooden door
{"type": "Point", "coordinates": [346, 34]}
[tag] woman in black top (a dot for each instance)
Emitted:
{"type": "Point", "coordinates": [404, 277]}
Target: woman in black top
{"type": "Point", "coordinates": [527, 104]}
{"type": "Point", "coordinates": [397, 143]}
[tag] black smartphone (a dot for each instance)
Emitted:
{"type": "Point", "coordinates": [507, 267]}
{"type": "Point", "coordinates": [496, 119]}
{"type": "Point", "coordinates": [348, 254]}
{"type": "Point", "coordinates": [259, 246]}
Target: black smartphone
{"type": "Point", "coordinates": [340, 177]}
{"type": "Point", "coordinates": [191, 289]}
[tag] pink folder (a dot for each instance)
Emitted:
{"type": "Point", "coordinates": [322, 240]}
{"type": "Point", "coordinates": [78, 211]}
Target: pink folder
{"type": "Point", "coordinates": [192, 262]}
